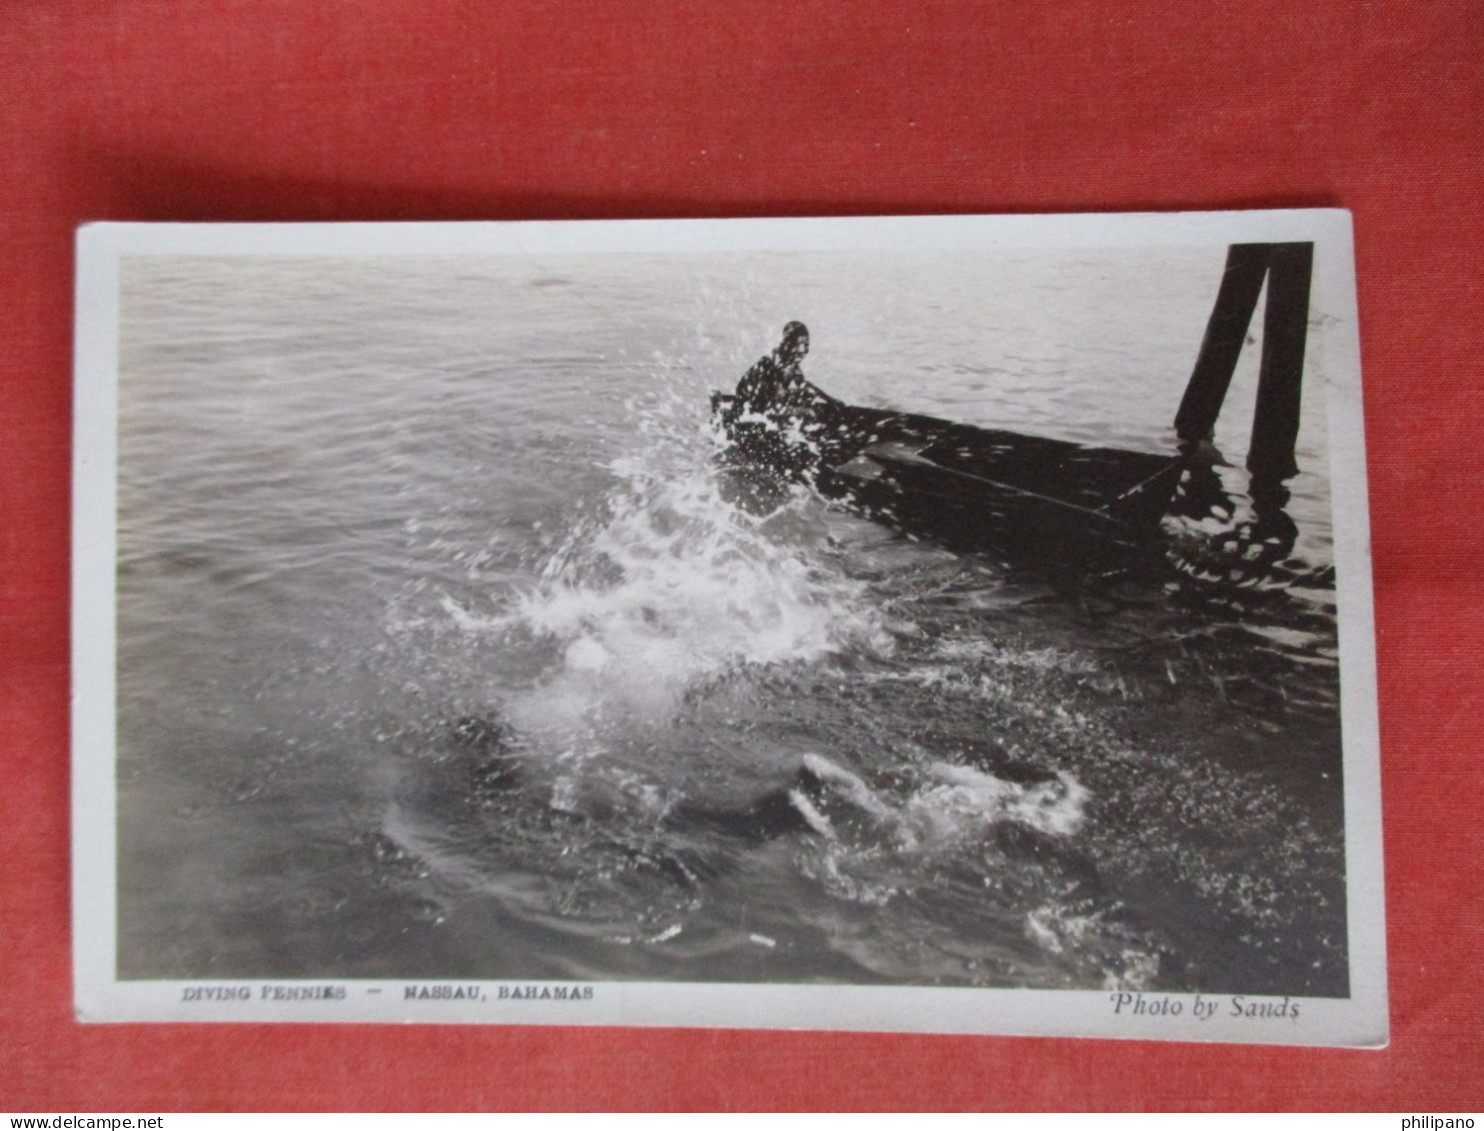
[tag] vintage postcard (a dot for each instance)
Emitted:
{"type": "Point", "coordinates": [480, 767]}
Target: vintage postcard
{"type": "Point", "coordinates": [941, 624]}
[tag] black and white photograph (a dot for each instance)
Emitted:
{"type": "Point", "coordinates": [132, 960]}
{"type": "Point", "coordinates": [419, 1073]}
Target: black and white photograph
{"type": "Point", "coordinates": [929, 624]}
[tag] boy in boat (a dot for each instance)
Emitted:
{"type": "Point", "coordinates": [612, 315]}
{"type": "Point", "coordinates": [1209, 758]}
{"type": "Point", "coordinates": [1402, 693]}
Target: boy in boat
{"type": "Point", "coordinates": [777, 380]}
{"type": "Point", "coordinates": [777, 417]}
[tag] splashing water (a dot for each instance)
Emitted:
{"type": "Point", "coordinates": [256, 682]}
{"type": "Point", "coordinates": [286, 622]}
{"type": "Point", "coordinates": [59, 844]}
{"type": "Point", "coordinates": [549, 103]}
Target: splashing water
{"type": "Point", "coordinates": [953, 804]}
{"type": "Point", "coordinates": [519, 697]}
{"type": "Point", "coordinates": [675, 584]}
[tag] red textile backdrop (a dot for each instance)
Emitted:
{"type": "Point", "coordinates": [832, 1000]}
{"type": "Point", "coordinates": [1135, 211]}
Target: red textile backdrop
{"type": "Point", "coordinates": [403, 109]}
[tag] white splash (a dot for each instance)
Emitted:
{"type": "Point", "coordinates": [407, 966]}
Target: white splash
{"type": "Point", "coordinates": [962, 800]}
{"type": "Point", "coordinates": [673, 584]}
{"type": "Point", "coordinates": [953, 804]}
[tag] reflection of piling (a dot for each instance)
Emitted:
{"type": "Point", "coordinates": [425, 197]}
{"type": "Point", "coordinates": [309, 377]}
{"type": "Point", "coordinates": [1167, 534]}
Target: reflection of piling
{"type": "Point", "coordinates": [1288, 268]}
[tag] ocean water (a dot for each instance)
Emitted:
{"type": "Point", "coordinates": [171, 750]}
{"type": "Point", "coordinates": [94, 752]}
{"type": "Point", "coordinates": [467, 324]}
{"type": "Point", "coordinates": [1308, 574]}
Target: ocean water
{"type": "Point", "coordinates": [447, 649]}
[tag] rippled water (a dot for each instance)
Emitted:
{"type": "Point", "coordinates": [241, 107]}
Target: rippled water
{"type": "Point", "coordinates": [446, 650]}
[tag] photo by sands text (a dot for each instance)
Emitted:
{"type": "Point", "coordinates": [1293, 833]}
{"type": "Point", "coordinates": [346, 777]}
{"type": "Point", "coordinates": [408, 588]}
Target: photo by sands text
{"type": "Point", "coordinates": [1202, 1007]}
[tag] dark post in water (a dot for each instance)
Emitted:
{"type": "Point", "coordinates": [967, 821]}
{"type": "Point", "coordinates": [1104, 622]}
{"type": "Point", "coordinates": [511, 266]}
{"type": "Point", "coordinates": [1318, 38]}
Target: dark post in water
{"type": "Point", "coordinates": [1285, 328]}
{"type": "Point", "coordinates": [1287, 267]}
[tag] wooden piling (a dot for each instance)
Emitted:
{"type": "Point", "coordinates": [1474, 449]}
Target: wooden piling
{"type": "Point", "coordinates": [1226, 331]}
{"type": "Point", "coordinates": [1285, 329]}
{"type": "Point", "coordinates": [1288, 269]}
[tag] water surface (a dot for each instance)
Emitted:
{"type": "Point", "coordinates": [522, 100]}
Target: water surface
{"type": "Point", "coordinates": [446, 649]}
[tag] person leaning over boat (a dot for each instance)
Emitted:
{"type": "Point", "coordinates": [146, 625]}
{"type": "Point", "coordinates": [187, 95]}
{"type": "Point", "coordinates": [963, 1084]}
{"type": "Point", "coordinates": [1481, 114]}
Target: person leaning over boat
{"type": "Point", "coordinates": [777, 415]}
{"type": "Point", "coordinates": [777, 380]}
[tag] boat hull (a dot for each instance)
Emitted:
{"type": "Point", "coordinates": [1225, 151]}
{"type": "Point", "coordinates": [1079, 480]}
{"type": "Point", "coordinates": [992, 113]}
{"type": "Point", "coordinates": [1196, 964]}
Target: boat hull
{"type": "Point", "coordinates": [964, 487]}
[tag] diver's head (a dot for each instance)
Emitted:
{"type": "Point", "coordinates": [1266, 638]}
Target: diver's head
{"type": "Point", "coordinates": [795, 343]}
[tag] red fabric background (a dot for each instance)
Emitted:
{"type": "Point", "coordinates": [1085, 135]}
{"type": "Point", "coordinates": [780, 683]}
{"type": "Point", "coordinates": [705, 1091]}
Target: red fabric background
{"type": "Point", "coordinates": [393, 109]}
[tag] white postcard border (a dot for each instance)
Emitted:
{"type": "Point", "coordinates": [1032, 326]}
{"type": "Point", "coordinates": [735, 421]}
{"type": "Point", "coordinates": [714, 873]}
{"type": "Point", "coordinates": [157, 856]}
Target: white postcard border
{"type": "Point", "coordinates": [1360, 1020]}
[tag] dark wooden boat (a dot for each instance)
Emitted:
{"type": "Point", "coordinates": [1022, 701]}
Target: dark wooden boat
{"type": "Point", "coordinates": [1061, 503]}
{"type": "Point", "coordinates": [966, 488]}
